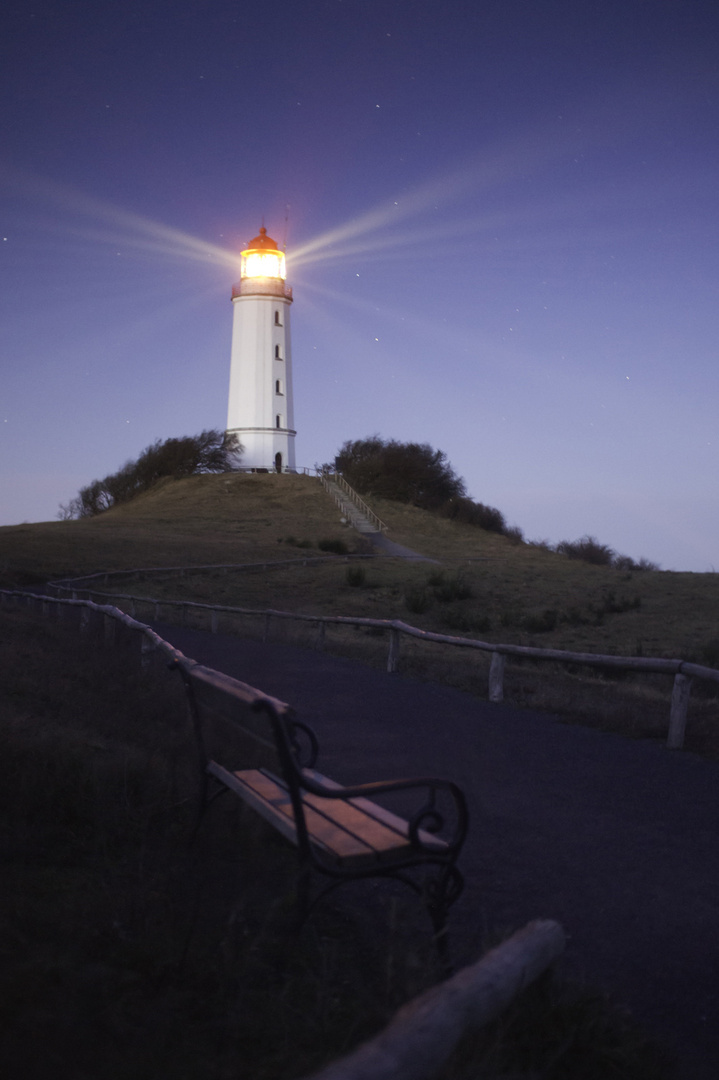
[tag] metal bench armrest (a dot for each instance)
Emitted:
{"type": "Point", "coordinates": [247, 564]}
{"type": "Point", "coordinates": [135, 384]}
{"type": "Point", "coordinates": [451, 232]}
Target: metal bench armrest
{"type": "Point", "coordinates": [429, 818]}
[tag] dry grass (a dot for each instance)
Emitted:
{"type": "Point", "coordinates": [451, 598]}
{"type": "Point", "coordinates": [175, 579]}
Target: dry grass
{"type": "Point", "coordinates": [232, 518]}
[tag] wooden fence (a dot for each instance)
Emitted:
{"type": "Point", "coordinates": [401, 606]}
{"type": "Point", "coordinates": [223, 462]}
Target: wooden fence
{"type": "Point", "coordinates": [683, 671]}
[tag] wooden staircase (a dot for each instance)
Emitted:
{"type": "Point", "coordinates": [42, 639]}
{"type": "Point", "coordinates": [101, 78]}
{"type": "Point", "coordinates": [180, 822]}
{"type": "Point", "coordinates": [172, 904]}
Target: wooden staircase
{"type": "Point", "coordinates": [351, 505]}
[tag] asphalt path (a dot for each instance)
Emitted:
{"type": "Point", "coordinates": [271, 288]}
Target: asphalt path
{"type": "Point", "coordinates": [614, 838]}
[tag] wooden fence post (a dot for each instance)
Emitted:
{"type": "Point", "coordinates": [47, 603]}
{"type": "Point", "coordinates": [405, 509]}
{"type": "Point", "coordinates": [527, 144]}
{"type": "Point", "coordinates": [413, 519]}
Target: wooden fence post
{"type": "Point", "coordinates": [109, 628]}
{"type": "Point", "coordinates": [393, 658]}
{"type": "Point", "coordinates": [320, 641]}
{"type": "Point", "coordinates": [496, 677]}
{"type": "Point", "coordinates": [678, 716]}
{"type": "Point", "coordinates": [266, 629]}
{"type": "Point", "coordinates": [214, 621]}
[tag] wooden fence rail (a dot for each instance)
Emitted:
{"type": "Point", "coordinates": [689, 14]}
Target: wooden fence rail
{"type": "Point", "coordinates": [421, 1037]}
{"type": "Point", "coordinates": [71, 584]}
{"type": "Point", "coordinates": [682, 670]}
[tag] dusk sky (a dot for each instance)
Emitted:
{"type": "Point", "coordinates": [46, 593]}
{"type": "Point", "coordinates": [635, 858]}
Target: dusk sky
{"type": "Point", "coordinates": [501, 222]}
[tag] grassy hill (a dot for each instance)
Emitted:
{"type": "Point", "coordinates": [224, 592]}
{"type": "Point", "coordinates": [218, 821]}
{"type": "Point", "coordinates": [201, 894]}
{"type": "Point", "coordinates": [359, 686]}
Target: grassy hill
{"type": "Point", "coordinates": [481, 585]}
{"type": "Point", "coordinates": [485, 585]}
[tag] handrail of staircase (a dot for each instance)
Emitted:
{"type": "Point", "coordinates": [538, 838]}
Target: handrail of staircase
{"type": "Point", "coordinates": [337, 478]}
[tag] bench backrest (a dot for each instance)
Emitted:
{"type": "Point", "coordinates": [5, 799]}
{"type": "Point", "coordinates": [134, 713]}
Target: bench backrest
{"type": "Point", "coordinates": [240, 727]}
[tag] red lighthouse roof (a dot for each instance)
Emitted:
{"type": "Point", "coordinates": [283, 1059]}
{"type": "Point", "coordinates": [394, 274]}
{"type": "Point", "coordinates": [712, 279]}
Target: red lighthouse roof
{"type": "Point", "coordinates": [263, 242]}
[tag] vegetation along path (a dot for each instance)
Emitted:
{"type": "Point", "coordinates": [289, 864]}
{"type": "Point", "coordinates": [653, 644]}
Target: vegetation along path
{"type": "Point", "coordinates": [616, 839]}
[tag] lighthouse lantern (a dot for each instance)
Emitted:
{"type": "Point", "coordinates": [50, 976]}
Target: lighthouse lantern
{"type": "Point", "coordinates": [263, 259]}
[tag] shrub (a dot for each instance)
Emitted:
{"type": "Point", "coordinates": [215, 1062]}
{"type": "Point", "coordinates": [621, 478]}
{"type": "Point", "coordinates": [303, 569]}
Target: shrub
{"type": "Point", "coordinates": [406, 472]}
{"type": "Point", "coordinates": [514, 534]}
{"type": "Point", "coordinates": [542, 624]}
{"type": "Point", "coordinates": [455, 588]}
{"type": "Point", "coordinates": [417, 601]}
{"type": "Point", "coordinates": [355, 576]}
{"type": "Point", "coordinates": [337, 546]}
{"type": "Point", "coordinates": [588, 549]}
{"type": "Point", "coordinates": [208, 452]}
{"type": "Point", "coordinates": [469, 512]}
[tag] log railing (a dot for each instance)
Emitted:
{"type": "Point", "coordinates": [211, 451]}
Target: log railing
{"type": "Point", "coordinates": [682, 670]}
{"type": "Point", "coordinates": [417, 1043]}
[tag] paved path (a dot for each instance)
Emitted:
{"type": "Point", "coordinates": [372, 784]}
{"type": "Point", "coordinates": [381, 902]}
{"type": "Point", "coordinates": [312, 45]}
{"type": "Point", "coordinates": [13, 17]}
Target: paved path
{"type": "Point", "coordinates": [388, 547]}
{"type": "Point", "coordinates": [616, 839]}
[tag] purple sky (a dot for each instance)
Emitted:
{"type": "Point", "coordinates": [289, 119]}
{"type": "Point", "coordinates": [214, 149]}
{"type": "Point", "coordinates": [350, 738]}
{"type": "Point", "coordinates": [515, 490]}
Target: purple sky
{"type": "Point", "coordinates": [502, 241]}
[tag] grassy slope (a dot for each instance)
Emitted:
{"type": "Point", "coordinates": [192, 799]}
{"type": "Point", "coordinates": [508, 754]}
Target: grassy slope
{"type": "Point", "coordinates": [518, 593]}
{"type": "Point", "coordinates": [201, 519]}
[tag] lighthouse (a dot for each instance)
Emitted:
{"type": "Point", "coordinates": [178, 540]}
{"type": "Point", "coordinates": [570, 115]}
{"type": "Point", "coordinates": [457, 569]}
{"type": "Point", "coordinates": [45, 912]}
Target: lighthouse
{"type": "Point", "coordinates": [260, 408]}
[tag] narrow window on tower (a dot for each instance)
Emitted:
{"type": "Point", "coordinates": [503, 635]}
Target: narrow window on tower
{"type": "Point", "coordinates": [278, 421]}
{"type": "Point", "coordinates": [277, 319]}
{"type": "Point", "coordinates": [277, 353]}
{"type": "Point", "coordinates": [278, 386]}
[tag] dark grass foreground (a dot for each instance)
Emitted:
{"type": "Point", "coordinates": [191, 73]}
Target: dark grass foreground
{"type": "Point", "coordinates": [132, 946]}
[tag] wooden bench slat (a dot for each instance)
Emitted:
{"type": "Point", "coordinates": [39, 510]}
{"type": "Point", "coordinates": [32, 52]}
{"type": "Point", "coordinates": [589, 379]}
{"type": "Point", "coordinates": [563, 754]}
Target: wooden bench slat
{"type": "Point", "coordinates": [358, 823]}
{"type": "Point", "coordinates": [284, 824]}
{"type": "Point", "coordinates": [392, 821]}
{"type": "Point", "coordinates": [323, 830]}
{"type": "Point", "coordinates": [269, 797]}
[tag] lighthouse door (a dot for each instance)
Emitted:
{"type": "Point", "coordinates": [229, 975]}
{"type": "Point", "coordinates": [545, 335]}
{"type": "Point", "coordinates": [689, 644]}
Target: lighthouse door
{"type": "Point", "coordinates": [278, 462]}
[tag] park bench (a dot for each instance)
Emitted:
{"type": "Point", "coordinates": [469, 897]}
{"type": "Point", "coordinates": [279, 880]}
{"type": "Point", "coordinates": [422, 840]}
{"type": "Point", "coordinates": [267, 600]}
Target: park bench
{"type": "Point", "coordinates": [251, 744]}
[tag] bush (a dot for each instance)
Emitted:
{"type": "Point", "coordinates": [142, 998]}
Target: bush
{"type": "Point", "coordinates": [208, 452]}
{"type": "Point", "coordinates": [337, 546]}
{"type": "Point", "coordinates": [588, 549]}
{"type": "Point", "coordinates": [542, 624]}
{"type": "Point", "coordinates": [418, 474]}
{"type": "Point", "coordinates": [455, 588]}
{"type": "Point", "coordinates": [355, 576]}
{"type": "Point", "coordinates": [470, 512]}
{"type": "Point", "coordinates": [417, 601]}
{"type": "Point", "coordinates": [406, 472]}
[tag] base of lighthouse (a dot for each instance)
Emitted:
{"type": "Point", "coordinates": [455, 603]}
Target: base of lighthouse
{"type": "Point", "coordinates": [266, 449]}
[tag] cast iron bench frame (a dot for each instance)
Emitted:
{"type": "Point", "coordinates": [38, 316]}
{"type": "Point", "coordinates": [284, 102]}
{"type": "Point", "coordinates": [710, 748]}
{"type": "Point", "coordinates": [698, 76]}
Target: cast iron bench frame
{"type": "Point", "coordinates": [339, 831]}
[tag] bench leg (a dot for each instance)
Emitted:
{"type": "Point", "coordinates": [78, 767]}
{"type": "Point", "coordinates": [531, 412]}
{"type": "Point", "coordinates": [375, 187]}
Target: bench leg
{"type": "Point", "coordinates": [440, 893]}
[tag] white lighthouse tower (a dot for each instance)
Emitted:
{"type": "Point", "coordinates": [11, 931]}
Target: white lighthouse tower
{"type": "Point", "coordinates": [260, 409]}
